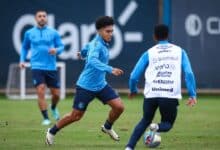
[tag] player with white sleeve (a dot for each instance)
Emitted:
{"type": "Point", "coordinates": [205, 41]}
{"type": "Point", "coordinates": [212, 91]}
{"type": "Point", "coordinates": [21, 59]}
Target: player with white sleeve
{"type": "Point", "coordinates": [162, 64]}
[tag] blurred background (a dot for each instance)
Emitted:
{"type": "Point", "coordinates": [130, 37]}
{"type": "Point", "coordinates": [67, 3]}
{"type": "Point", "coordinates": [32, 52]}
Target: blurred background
{"type": "Point", "coordinates": [194, 25]}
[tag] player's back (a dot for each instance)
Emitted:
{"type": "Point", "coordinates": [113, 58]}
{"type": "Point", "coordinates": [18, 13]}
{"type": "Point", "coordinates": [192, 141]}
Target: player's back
{"type": "Point", "coordinates": [163, 75]}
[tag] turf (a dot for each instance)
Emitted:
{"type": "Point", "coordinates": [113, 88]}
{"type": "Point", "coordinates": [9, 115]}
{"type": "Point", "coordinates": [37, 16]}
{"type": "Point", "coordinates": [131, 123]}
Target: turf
{"type": "Point", "coordinates": [195, 128]}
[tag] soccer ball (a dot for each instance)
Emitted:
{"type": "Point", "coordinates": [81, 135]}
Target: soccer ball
{"type": "Point", "coordinates": [152, 141]}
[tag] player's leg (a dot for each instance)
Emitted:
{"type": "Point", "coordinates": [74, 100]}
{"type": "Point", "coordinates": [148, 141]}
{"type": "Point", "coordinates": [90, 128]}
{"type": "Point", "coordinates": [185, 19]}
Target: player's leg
{"type": "Point", "coordinates": [82, 99]}
{"type": "Point", "coordinates": [55, 92]}
{"type": "Point", "coordinates": [108, 96]}
{"type": "Point", "coordinates": [149, 109]}
{"type": "Point", "coordinates": [39, 82]}
{"type": "Point", "coordinates": [168, 110]}
{"type": "Point", "coordinates": [52, 81]}
{"type": "Point", "coordinates": [42, 103]}
{"type": "Point", "coordinates": [117, 108]}
{"type": "Point", "coordinates": [73, 116]}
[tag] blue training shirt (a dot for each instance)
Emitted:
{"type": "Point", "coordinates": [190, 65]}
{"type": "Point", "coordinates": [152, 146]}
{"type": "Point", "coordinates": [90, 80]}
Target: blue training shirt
{"type": "Point", "coordinates": [39, 41]}
{"type": "Point", "coordinates": [93, 75]}
{"type": "Point", "coordinates": [143, 62]}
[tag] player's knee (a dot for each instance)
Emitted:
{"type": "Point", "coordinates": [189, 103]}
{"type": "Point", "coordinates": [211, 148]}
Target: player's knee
{"type": "Point", "coordinates": [41, 87]}
{"type": "Point", "coordinates": [76, 116]}
{"type": "Point", "coordinates": [41, 90]}
{"type": "Point", "coordinates": [120, 108]}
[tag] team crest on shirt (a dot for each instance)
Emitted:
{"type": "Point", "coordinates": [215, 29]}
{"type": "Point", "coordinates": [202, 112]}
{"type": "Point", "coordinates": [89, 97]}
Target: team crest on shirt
{"type": "Point", "coordinates": [81, 105]}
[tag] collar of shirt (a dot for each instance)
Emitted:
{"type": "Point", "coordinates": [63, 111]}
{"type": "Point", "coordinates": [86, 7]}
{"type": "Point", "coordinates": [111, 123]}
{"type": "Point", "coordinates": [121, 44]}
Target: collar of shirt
{"type": "Point", "coordinates": [163, 42]}
{"type": "Point", "coordinates": [44, 27]}
{"type": "Point", "coordinates": [99, 38]}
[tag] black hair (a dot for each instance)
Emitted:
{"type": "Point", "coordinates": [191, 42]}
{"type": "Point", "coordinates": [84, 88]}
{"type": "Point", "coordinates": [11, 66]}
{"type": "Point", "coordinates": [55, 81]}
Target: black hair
{"type": "Point", "coordinates": [103, 21]}
{"type": "Point", "coordinates": [161, 32]}
{"type": "Point", "coordinates": [40, 10]}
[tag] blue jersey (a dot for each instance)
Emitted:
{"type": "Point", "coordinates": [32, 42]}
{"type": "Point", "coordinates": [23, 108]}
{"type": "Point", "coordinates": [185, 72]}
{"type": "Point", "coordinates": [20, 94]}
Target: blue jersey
{"type": "Point", "coordinates": [93, 75]}
{"type": "Point", "coordinates": [143, 62]}
{"type": "Point", "coordinates": [39, 41]}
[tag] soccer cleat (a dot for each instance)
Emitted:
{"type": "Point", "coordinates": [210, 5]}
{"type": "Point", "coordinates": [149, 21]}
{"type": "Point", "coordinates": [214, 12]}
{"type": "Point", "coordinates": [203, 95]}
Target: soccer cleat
{"type": "Point", "coordinates": [128, 148]}
{"type": "Point", "coordinates": [111, 133]}
{"type": "Point", "coordinates": [49, 138]}
{"type": "Point", "coordinates": [55, 114]}
{"type": "Point", "coordinates": [46, 122]}
{"type": "Point", "coordinates": [153, 127]}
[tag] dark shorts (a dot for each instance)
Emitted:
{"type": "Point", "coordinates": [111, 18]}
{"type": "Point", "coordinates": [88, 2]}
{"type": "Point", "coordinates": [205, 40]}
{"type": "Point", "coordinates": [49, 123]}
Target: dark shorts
{"type": "Point", "coordinates": [83, 97]}
{"type": "Point", "coordinates": [50, 78]}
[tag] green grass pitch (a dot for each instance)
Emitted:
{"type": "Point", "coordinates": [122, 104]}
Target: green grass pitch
{"type": "Point", "coordinates": [196, 128]}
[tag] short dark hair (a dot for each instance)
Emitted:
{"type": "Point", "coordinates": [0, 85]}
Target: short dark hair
{"type": "Point", "coordinates": [40, 10]}
{"type": "Point", "coordinates": [104, 21]}
{"type": "Point", "coordinates": [161, 31]}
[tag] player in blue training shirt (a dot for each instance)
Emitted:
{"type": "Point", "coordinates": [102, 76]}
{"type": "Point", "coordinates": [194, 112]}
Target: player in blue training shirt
{"type": "Point", "coordinates": [44, 43]}
{"type": "Point", "coordinates": [92, 83]}
{"type": "Point", "coordinates": [162, 65]}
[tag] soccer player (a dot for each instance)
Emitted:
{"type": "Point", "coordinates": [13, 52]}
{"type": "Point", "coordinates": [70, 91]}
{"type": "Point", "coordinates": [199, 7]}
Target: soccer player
{"type": "Point", "coordinates": [45, 44]}
{"type": "Point", "coordinates": [162, 65]}
{"type": "Point", "coordinates": [92, 83]}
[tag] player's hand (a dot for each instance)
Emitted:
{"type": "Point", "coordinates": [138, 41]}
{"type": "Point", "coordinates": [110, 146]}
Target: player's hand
{"type": "Point", "coordinates": [22, 65]}
{"type": "Point", "coordinates": [191, 102]}
{"type": "Point", "coordinates": [117, 71]}
{"type": "Point", "coordinates": [79, 56]}
{"type": "Point", "coordinates": [132, 95]}
{"type": "Point", "coordinates": [52, 51]}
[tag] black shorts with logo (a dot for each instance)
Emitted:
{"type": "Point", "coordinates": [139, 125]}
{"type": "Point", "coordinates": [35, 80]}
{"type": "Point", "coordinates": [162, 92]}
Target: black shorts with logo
{"type": "Point", "coordinates": [83, 97]}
